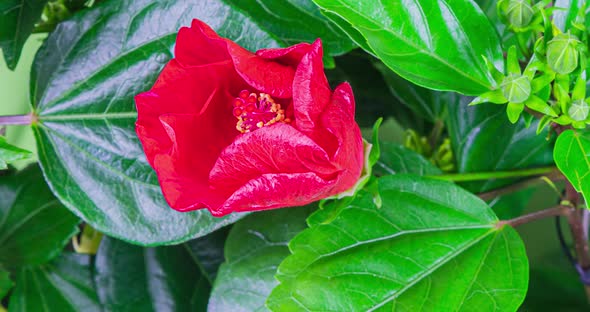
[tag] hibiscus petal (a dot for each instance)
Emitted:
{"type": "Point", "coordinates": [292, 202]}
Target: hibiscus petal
{"type": "Point", "coordinates": [278, 148]}
{"type": "Point", "coordinates": [200, 45]}
{"type": "Point", "coordinates": [277, 190]}
{"type": "Point", "coordinates": [289, 56]}
{"type": "Point", "coordinates": [182, 90]}
{"type": "Point", "coordinates": [311, 92]}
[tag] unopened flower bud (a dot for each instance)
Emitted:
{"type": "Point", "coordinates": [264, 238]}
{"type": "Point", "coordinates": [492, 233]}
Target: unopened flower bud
{"type": "Point", "coordinates": [563, 54]}
{"type": "Point", "coordinates": [516, 88]}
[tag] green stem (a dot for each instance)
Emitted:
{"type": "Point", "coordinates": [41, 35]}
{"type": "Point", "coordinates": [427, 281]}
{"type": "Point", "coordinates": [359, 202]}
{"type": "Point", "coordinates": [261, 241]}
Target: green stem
{"type": "Point", "coordinates": [478, 176]}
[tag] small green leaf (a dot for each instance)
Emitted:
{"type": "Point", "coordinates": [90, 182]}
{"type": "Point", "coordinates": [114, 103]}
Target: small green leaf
{"type": "Point", "coordinates": [571, 154]}
{"type": "Point", "coordinates": [513, 110]}
{"type": "Point", "coordinates": [512, 64]}
{"type": "Point", "coordinates": [255, 247]}
{"type": "Point", "coordinates": [542, 81]}
{"type": "Point", "coordinates": [396, 159]}
{"type": "Point", "coordinates": [10, 153]}
{"type": "Point", "coordinates": [65, 284]}
{"type": "Point", "coordinates": [17, 20]}
{"type": "Point", "coordinates": [494, 96]}
{"type": "Point", "coordinates": [34, 225]}
{"type": "Point", "coordinates": [537, 104]}
{"type": "Point", "coordinates": [431, 246]}
{"type": "Point", "coordinates": [437, 45]}
{"type": "Point", "coordinates": [543, 123]}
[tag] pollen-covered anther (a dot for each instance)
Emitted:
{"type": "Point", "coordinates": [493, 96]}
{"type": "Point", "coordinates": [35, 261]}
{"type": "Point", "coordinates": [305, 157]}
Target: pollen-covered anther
{"type": "Point", "coordinates": [256, 111]}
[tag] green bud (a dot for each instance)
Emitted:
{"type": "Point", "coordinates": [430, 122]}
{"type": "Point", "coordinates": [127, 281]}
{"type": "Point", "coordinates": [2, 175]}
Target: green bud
{"type": "Point", "coordinates": [516, 88]}
{"type": "Point", "coordinates": [563, 54]}
{"type": "Point", "coordinates": [519, 13]}
{"type": "Point", "coordinates": [579, 110]}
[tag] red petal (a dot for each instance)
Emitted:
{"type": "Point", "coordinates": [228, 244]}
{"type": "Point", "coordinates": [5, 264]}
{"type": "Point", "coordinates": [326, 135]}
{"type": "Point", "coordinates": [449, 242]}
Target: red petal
{"type": "Point", "coordinates": [288, 56]}
{"type": "Point", "coordinates": [181, 90]}
{"type": "Point", "coordinates": [274, 149]}
{"type": "Point", "coordinates": [276, 190]}
{"type": "Point", "coordinates": [200, 45]}
{"type": "Point", "coordinates": [311, 92]}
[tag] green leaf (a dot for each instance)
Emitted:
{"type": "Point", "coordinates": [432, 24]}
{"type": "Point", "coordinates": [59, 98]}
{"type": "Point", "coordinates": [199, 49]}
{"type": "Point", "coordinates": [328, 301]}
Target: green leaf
{"type": "Point", "coordinates": [431, 246]}
{"type": "Point", "coordinates": [428, 104]}
{"type": "Point", "coordinates": [572, 156]}
{"type": "Point", "coordinates": [6, 283]}
{"type": "Point", "coordinates": [352, 33]}
{"type": "Point", "coordinates": [484, 140]}
{"type": "Point", "coordinates": [133, 278]}
{"type": "Point", "coordinates": [208, 251]}
{"type": "Point", "coordinates": [435, 44]}
{"type": "Point", "coordinates": [84, 79]}
{"type": "Point", "coordinates": [396, 159]}
{"type": "Point", "coordinates": [513, 110]}
{"type": "Point", "coordinates": [34, 226]}
{"type": "Point", "coordinates": [64, 285]}
{"type": "Point", "coordinates": [10, 153]}
{"type": "Point", "coordinates": [255, 247]}
{"type": "Point", "coordinates": [17, 20]}
{"type": "Point", "coordinates": [294, 22]}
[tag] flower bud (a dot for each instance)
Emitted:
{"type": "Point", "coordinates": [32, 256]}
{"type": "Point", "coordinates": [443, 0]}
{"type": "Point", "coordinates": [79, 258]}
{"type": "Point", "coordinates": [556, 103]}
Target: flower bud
{"type": "Point", "coordinates": [516, 88]}
{"type": "Point", "coordinates": [518, 13]}
{"type": "Point", "coordinates": [578, 111]}
{"type": "Point", "coordinates": [563, 54]}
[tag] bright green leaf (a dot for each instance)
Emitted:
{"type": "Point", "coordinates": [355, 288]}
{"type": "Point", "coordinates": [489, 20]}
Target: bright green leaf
{"type": "Point", "coordinates": [17, 20]}
{"type": "Point", "coordinates": [255, 247]}
{"type": "Point", "coordinates": [435, 44]}
{"type": "Point", "coordinates": [10, 153]}
{"type": "Point", "coordinates": [431, 246]}
{"type": "Point", "coordinates": [34, 225]}
{"type": "Point", "coordinates": [494, 96]}
{"type": "Point", "coordinates": [85, 77]}
{"type": "Point", "coordinates": [294, 22]}
{"type": "Point", "coordinates": [5, 283]}
{"type": "Point", "coordinates": [572, 156]}
{"type": "Point", "coordinates": [64, 285]}
{"type": "Point", "coordinates": [537, 104]}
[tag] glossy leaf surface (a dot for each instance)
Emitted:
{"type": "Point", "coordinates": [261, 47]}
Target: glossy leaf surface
{"type": "Point", "coordinates": [396, 159]}
{"type": "Point", "coordinates": [484, 140]}
{"type": "Point", "coordinates": [84, 79]}
{"type": "Point", "coordinates": [295, 21]}
{"type": "Point", "coordinates": [17, 20]}
{"type": "Point", "coordinates": [133, 278]}
{"type": "Point", "coordinates": [431, 246]}
{"type": "Point", "coordinates": [64, 285]}
{"type": "Point", "coordinates": [34, 226]}
{"type": "Point", "coordinates": [572, 156]}
{"type": "Point", "coordinates": [435, 44]}
{"type": "Point", "coordinates": [255, 247]}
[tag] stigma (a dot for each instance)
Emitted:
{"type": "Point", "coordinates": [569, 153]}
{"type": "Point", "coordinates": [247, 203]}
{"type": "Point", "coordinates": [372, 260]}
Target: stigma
{"type": "Point", "coordinates": [255, 111]}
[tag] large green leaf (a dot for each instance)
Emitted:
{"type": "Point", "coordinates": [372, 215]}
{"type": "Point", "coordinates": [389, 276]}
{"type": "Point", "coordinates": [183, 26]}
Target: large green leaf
{"type": "Point", "coordinates": [484, 140]}
{"type": "Point", "coordinates": [208, 251]}
{"type": "Point", "coordinates": [133, 278]}
{"type": "Point", "coordinates": [255, 247]}
{"type": "Point", "coordinates": [295, 21]}
{"type": "Point", "coordinates": [84, 80]}
{"type": "Point", "coordinates": [10, 153]}
{"type": "Point", "coordinates": [34, 226]}
{"type": "Point", "coordinates": [17, 20]}
{"type": "Point", "coordinates": [64, 285]}
{"type": "Point", "coordinates": [572, 156]}
{"type": "Point", "coordinates": [396, 159]}
{"type": "Point", "coordinates": [431, 246]}
{"type": "Point", "coordinates": [435, 44]}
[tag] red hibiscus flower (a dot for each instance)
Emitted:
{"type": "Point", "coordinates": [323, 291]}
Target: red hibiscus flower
{"type": "Point", "coordinates": [230, 130]}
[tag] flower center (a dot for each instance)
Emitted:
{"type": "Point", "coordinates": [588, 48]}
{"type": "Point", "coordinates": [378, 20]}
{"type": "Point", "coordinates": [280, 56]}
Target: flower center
{"type": "Point", "coordinates": [255, 112]}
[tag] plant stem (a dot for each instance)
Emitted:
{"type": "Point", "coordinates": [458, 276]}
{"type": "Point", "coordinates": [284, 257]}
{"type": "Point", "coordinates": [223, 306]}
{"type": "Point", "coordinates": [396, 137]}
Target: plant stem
{"type": "Point", "coordinates": [553, 176]}
{"type": "Point", "coordinates": [16, 120]}
{"type": "Point", "coordinates": [537, 215]}
{"type": "Point", "coordinates": [477, 176]}
{"type": "Point", "coordinates": [434, 137]}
